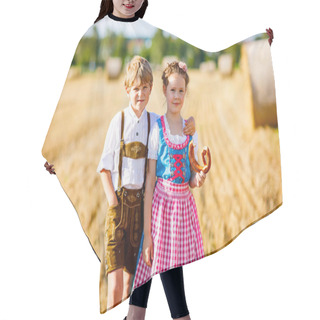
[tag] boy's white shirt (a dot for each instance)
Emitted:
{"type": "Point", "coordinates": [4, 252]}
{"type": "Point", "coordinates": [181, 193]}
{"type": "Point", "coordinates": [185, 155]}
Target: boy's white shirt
{"type": "Point", "coordinates": [135, 129]}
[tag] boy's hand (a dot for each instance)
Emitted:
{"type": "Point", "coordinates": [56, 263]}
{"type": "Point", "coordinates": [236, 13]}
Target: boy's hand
{"type": "Point", "coordinates": [200, 178]}
{"type": "Point", "coordinates": [147, 250]}
{"type": "Point", "coordinates": [190, 127]}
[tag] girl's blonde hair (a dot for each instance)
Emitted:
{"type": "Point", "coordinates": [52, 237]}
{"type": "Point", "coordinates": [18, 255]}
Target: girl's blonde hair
{"type": "Point", "coordinates": [175, 67]}
{"type": "Point", "coordinates": [138, 72]}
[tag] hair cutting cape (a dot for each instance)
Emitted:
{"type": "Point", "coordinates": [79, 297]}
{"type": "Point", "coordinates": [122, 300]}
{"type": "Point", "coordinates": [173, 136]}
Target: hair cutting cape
{"type": "Point", "coordinates": [231, 96]}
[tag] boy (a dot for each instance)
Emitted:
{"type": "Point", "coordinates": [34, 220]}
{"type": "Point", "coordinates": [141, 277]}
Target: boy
{"type": "Point", "coordinates": [122, 169]}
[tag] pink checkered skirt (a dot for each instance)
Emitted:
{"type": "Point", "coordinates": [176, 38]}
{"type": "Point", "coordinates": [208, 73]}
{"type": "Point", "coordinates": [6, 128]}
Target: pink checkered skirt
{"type": "Point", "coordinates": [175, 230]}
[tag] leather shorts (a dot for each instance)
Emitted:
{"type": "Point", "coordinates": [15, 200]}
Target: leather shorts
{"type": "Point", "coordinates": [124, 224]}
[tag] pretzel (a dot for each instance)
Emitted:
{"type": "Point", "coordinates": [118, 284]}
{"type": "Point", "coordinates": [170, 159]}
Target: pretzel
{"type": "Point", "coordinates": [204, 153]}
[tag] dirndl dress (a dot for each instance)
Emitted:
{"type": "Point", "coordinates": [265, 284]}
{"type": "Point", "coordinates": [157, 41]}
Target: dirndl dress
{"type": "Point", "coordinates": [175, 227]}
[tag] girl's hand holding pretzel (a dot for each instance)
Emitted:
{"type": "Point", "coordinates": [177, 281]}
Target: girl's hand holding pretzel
{"type": "Point", "coordinates": [200, 178]}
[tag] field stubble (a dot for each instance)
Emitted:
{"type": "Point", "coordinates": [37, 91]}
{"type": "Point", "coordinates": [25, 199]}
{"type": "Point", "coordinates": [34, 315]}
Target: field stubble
{"type": "Point", "coordinates": [244, 183]}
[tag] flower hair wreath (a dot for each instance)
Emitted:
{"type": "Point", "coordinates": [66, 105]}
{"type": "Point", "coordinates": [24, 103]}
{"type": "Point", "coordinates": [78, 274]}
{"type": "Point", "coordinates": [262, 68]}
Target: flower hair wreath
{"type": "Point", "coordinates": [183, 66]}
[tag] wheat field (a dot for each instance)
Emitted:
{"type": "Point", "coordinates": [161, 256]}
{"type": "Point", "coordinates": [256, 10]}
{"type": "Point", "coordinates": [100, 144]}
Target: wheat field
{"type": "Point", "coordinates": [243, 185]}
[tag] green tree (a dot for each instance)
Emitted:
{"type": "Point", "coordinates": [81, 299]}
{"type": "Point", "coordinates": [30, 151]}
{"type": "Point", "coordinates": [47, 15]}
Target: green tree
{"type": "Point", "coordinates": [87, 51]}
{"type": "Point", "coordinates": [158, 48]}
{"type": "Point", "coordinates": [235, 51]}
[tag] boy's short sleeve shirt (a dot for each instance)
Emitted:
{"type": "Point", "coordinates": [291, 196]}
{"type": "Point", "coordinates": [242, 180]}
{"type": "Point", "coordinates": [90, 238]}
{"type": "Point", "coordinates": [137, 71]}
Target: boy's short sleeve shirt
{"type": "Point", "coordinates": [135, 129]}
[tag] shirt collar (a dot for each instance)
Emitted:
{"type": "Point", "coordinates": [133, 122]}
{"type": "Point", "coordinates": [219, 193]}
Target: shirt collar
{"type": "Point", "coordinates": [134, 116]}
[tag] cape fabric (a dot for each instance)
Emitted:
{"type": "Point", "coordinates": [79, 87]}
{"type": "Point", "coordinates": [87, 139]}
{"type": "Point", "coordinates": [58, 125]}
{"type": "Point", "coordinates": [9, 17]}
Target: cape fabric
{"type": "Point", "coordinates": [231, 96]}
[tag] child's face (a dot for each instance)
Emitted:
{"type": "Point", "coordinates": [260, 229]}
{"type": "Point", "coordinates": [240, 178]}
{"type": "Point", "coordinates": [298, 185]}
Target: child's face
{"type": "Point", "coordinates": [175, 93]}
{"type": "Point", "coordinates": [139, 96]}
{"type": "Point", "coordinates": [126, 8]}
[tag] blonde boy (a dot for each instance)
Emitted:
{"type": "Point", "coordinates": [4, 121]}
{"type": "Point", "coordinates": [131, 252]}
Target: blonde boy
{"type": "Point", "coordinates": [122, 169]}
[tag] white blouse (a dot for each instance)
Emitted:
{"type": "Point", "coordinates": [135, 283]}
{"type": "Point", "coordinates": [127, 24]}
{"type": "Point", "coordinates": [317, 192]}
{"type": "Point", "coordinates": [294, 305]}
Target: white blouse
{"type": "Point", "coordinates": [176, 139]}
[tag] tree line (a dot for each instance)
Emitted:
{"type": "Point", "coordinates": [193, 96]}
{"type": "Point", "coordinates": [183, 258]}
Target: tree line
{"type": "Point", "coordinates": [93, 51]}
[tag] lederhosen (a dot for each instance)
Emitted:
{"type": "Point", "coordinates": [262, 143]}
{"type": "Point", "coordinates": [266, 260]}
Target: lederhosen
{"type": "Point", "coordinates": [124, 222]}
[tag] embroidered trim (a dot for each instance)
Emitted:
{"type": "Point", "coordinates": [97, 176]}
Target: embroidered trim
{"type": "Point", "coordinates": [169, 143]}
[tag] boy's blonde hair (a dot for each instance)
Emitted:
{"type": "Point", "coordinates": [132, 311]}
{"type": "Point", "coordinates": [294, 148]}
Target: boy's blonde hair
{"type": "Point", "coordinates": [138, 72]}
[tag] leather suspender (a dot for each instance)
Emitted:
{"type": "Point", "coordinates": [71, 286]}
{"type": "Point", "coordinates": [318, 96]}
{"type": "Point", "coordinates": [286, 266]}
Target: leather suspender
{"type": "Point", "coordinates": [122, 150]}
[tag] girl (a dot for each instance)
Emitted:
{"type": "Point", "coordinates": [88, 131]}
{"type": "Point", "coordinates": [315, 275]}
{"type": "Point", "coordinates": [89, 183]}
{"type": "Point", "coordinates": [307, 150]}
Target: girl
{"type": "Point", "coordinates": [123, 9]}
{"type": "Point", "coordinates": [172, 234]}
{"type": "Point", "coordinates": [123, 178]}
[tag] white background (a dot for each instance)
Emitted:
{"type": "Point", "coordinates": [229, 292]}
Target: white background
{"type": "Point", "coordinates": [48, 269]}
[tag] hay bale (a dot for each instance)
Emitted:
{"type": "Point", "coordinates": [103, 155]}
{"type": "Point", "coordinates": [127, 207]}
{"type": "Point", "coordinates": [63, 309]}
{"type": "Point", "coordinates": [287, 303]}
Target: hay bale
{"type": "Point", "coordinates": [257, 65]}
{"type": "Point", "coordinates": [225, 64]}
{"type": "Point", "coordinates": [113, 67]}
{"type": "Point", "coordinates": [207, 66]}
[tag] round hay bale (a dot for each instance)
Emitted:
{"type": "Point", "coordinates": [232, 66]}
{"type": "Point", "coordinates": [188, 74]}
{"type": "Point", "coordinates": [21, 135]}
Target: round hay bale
{"type": "Point", "coordinates": [207, 66]}
{"type": "Point", "coordinates": [113, 67]}
{"type": "Point", "coordinates": [256, 63]}
{"type": "Point", "coordinates": [225, 64]}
